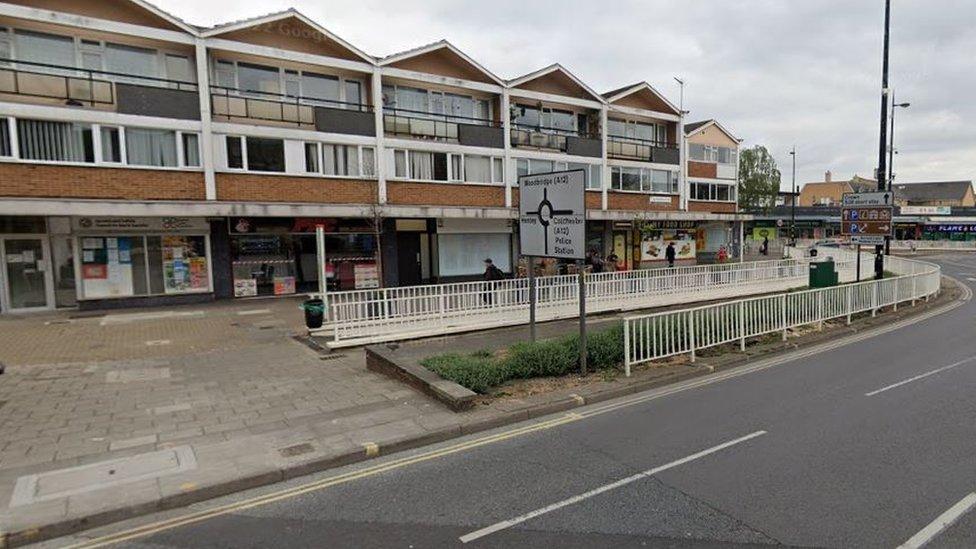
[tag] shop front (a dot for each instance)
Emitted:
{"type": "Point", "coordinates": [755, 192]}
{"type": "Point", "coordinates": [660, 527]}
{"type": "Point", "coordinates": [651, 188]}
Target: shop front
{"type": "Point", "coordinates": [652, 239]}
{"type": "Point", "coordinates": [963, 231]}
{"type": "Point", "coordinates": [26, 280]}
{"type": "Point", "coordinates": [463, 244]}
{"type": "Point", "coordinates": [276, 256]}
{"type": "Point", "coordinates": [122, 261]}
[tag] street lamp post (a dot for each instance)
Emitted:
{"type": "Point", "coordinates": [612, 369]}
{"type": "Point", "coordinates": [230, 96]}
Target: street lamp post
{"type": "Point", "coordinates": [793, 201]}
{"type": "Point", "coordinates": [882, 173]}
{"type": "Point", "coordinates": [891, 155]}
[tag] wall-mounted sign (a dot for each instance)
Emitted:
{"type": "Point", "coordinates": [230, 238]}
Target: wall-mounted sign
{"type": "Point", "coordinates": [140, 225]}
{"type": "Point", "coordinates": [925, 210]}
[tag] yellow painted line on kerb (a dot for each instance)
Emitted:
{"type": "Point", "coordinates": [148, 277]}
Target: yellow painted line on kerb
{"type": "Point", "coordinates": [192, 518]}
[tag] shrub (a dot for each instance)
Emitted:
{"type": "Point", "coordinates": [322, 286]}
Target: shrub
{"type": "Point", "coordinates": [605, 349]}
{"type": "Point", "coordinates": [475, 371]}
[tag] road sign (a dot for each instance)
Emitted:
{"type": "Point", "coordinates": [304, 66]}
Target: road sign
{"type": "Point", "coordinates": [552, 214]}
{"type": "Point", "coordinates": [866, 217]}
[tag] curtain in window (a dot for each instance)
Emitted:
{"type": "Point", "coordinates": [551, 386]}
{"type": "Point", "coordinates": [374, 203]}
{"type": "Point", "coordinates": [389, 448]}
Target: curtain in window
{"type": "Point", "coordinates": [413, 99]}
{"type": "Point", "coordinates": [317, 86]}
{"type": "Point", "coordinates": [257, 78]}
{"type": "Point", "coordinates": [62, 141]}
{"type": "Point", "coordinates": [110, 145]}
{"type": "Point", "coordinates": [150, 147]}
{"type": "Point", "coordinates": [477, 169]}
{"type": "Point", "coordinates": [5, 138]}
{"type": "Point", "coordinates": [45, 48]}
{"type": "Point", "coordinates": [400, 163]}
{"type": "Point", "coordinates": [191, 149]}
{"type": "Point", "coordinates": [130, 60]}
{"type": "Point", "coordinates": [179, 67]}
{"type": "Point", "coordinates": [369, 162]}
{"type": "Point", "coordinates": [353, 94]}
{"type": "Point", "coordinates": [421, 165]}
{"type": "Point", "coordinates": [352, 160]}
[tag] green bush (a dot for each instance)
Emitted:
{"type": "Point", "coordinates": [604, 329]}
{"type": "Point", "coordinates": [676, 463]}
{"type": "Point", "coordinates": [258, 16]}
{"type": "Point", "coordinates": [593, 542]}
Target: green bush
{"type": "Point", "coordinates": [605, 349]}
{"type": "Point", "coordinates": [475, 371]}
{"type": "Point", "coordinates": [554, 357]}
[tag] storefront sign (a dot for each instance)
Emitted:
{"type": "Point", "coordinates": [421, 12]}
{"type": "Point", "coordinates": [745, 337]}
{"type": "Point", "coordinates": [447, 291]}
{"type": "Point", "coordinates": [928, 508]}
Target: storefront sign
{"type": "Point", "coordinates": [956, 228]}
{"type": "Point", "coordinates": [654, 249]}
{"type": "Point", "coordinates": [298, 225]}
{"type": "Point", "coordinates": [668, 224]}
{"type": "Point", "coordinates": [140, 225]}
{"type": "Point", "coordinates": [926, 210]}
{"type": "Point", "coordinates": [760, 233]}
{"type": "Point", "coordinates": [366, 276]}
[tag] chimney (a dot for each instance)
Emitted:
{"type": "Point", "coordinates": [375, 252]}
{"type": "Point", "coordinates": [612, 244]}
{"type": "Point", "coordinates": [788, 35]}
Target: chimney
{"type": "Point", "coordinates": [827, 176]}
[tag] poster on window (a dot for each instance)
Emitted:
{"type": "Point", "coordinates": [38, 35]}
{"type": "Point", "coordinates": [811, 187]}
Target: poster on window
{"type": "Point", "coordinates": [284, 285]}
{"type": "Point", "coordinates": [366, 276]}
{"type": "Point", "coordinates": [653, 248]}
{"type": "Point", "coordinates": [106, 267]}
{"type": "Point", "coordinates": [245, 287]}
{"type": "Point", "coordinates": [184, 264]}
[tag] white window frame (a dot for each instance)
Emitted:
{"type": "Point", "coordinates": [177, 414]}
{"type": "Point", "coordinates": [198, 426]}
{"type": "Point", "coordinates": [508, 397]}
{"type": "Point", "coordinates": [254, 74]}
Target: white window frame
{"type": "Point", "coordinates": [283, 77]}
{"type": "Point", "coordinates": [497, 180]}
{"type": "Point", "coordinates": [646, 174]}
{"type": "Point", "coordinates": [713, 191]}
{"type": "Point", "coordinates": [430, 96]}
{"type": "Point", "coordinates": [320, 152]}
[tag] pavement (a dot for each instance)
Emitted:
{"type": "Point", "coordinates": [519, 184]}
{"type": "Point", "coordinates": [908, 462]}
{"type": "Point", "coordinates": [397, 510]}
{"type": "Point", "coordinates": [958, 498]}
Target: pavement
{"type": "Point", "coordinates": [865, 445]}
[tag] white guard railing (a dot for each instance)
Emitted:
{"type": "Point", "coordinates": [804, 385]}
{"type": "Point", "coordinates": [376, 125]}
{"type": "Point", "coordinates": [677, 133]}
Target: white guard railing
{"type": "Point", "coordinates": [660, 335]}
{"type": "Point", "coordinates": [371, 316]}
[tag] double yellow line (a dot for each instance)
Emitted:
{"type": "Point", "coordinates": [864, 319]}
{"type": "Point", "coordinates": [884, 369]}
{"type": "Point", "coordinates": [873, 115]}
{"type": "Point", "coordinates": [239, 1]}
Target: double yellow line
{"type": "Point", "coordinates": [200, 516]}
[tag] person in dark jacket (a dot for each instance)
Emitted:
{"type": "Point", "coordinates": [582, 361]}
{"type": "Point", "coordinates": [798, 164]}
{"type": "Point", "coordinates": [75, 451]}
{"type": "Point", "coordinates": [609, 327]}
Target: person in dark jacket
{"type": "Point", "coordinates": [492, 273]}
{"type": "Point", "coordinates": [669, 254]}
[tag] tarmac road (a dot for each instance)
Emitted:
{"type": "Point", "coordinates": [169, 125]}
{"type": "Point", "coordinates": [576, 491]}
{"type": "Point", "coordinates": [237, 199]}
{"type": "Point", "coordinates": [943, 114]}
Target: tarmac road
{"type": "Point", "coordinates": [869, 445]}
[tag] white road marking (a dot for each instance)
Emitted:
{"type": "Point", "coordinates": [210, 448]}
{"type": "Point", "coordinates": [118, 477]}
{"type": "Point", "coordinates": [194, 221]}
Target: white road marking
{"type": "Point", "coordinates": [249, 312]}
{"type": "Point", "coordinates": [605, 488]}
{"type": "Point", "coordinates": [942, 522]}
{"type": "Point", "coordinates": [921, 376]}
{"type": "Point", "coordinates": [157, 342]}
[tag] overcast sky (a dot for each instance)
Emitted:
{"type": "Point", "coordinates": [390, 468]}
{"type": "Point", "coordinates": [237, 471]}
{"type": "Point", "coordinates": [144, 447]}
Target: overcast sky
{"type": "Point", "coordinates": [776, 72]}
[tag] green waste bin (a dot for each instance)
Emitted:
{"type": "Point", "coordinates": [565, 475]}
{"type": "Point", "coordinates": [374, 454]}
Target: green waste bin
{"type": "Point", "coordinates": [823, 274]}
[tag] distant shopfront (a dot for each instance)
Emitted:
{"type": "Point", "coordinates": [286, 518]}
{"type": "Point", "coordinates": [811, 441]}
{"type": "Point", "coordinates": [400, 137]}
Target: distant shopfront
{"type": "Point", "coordinates": [949, 231]}
{"type": "Point", "coordinates": [141, 258]}
{"type": "Point", "coordinates": [273, 256]}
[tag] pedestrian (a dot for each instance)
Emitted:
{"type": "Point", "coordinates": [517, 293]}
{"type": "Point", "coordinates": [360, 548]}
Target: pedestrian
{"type": "Point", "coordinates": [596, 264]}
{"type": "Point", "coordinates": [612, 261]}
{"type": "Point", "coordinates": [492, 273]}
{"type": "Point", "coordinates": [669, 254]}
{"type": "Point", "coordinates": [723, 255]}
{"type": "Point", "coordinates": [764, 249]}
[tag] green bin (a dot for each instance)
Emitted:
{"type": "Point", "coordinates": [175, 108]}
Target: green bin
{"type": "Point", "coordinates": [823, 274]}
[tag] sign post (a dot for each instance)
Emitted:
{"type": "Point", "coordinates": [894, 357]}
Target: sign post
{"type": "Point", "coordinates": [552, 223]}
{"type": "Point", "coordinates": [868, 219]}
{"type": "Point", "coordinates": [320, 252]}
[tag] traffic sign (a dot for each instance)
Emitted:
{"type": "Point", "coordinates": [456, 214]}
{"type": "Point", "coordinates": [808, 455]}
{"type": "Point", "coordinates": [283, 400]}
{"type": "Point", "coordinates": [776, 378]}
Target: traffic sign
{"type": "Point", "coordinates": [552, 214]}
{"type": "Point", "coordinates": [866, 217]}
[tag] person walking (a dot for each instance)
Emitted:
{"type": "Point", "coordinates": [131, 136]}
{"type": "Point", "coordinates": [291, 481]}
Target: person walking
{"type": "Point", "coordinates": [764, 249]}
{"type": "Point", "coordinates": [669, 254]}
{"type": "Point", "coordinates": [492, 273]}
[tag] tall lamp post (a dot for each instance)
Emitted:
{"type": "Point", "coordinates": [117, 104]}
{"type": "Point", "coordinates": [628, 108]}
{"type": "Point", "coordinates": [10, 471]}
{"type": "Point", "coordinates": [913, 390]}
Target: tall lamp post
{"type": "Point", "coordinates": [882, 173]}
{"type": "Point", "coordinates": [793, 201]}
{"type": "Point", "coordinates": [891, 155]}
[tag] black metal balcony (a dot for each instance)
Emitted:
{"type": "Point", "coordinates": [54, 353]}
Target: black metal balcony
{"type": "Point", "coordinates": [644, 150]}
{"type": "Point", "coordinates": [466, 130]}
{"type": "Point", "coordinates": [235, 104]}
{"type": "Point", "coordinates": [557, 139]}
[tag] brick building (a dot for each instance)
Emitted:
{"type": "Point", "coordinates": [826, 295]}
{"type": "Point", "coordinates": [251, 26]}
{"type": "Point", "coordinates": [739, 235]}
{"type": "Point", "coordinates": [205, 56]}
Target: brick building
{"type": "Point", "coordinates": [146, 160]}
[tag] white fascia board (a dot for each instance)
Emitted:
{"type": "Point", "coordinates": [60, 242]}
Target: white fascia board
{"type": "Point", "coordinates": [729, 181]}
{"type": "Point", "coordinates": [66, 114]}
{"type": "Point", "coordinates": [659, 215]}
{"type": "Point", "coordinates": [287, 55]}
{"type": "Point", "coordinates": [518, 153]}
{"type": "Point", "coordinates": [251, 130]}
{"type": "Point", "coordinates": [91, 23]}
{"type": "Point", "coordinates": [200, 208]}
{"type": "Point", "coordinates": [639, 164]}
{"type": "Point", "coordinates": [440, 80]}
{"type": "Point", "coordinates": [434, 146]}
{"type": "Point", "coordinates": [539, 96]}
{"type": "Point", "coordinates": [643, 112]}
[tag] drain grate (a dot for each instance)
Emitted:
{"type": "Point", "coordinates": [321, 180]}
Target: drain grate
{"type": "Point", "coordinates": [296, 450]}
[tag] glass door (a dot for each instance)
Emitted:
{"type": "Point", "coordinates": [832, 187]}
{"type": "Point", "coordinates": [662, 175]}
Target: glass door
{"type": "Point", "coordinates": [25, 269]}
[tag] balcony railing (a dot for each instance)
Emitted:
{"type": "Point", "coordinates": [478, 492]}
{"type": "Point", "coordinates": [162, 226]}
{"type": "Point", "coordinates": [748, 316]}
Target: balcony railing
{"type": "Point", "coordinates": [559, 139]}
{"type": "Point", "coordinates": [646, 150]}
{"type": "Point", "coordinates": [424, 125]}
{"type": "Point", "coordinates": [234, 104]}
{"type": "Point", "coordinates": [73, 85]}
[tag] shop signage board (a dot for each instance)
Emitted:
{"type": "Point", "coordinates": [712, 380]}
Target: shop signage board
{"type": "Point", "coordinates": [140, 225]}
{"type": "Point", "coordinates": [926, 210]}
{"type": "Point", "coordinates": [867, 217]}
{"type": "Point", "coordinates": [552, 214]}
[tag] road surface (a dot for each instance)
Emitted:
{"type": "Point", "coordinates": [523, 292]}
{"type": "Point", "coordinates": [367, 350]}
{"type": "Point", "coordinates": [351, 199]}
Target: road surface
{"type": "Point", "coordinates": [872, 444]}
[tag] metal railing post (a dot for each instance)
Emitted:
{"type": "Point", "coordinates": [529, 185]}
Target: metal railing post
{"type": "Point", "coordinates": [874, 299]}
{"type": "Point", "coordinates": [820, 310]}
{"type": "Point", "coordinates": [691, 333]}
{"type": "Point", "coordinates": [783, 314]}
{"type": "Point", "coordinates": [850, 303]}
{"type": "Point", "coordinates": [626, 348]}
{"type": "Point", "coordinates": [914, 288]}
{"type": "Point", "coordinates": [742, 326]}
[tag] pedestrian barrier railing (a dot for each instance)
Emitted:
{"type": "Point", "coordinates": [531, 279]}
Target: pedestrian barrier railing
{"type": "Point", "coordinates": [934, 244]}
{"type": "Point", "coordinates": [371, 316]}
{"type": "Point", "coordinates": [687, 331]}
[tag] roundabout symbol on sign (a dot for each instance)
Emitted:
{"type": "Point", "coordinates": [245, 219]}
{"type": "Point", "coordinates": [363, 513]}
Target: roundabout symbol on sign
{"type": "Point", "coordinates": [545, 213]}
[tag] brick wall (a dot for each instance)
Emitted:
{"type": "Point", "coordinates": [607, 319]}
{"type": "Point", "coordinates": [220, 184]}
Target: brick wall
{"type": "Point", "coordinates": [638, 201]}
{"type": "Point", "coordinates": [702, 169]}
{"type": "Point", "coordinates": [715, 207]}
{"type": "Point", "coordinates": [273, 188]}
{"type": "Point", "coordinates": [444, 194]}
{"type": "Point", "coordinates": [48, 181]}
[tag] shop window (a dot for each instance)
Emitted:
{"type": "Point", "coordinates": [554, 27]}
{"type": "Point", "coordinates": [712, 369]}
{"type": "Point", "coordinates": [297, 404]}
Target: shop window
{"type": "Point", "coordinates": [191, 150]}
{"type": "Point", "coordinates": [265, 155]}
{"type": "Point", "coordinates": [111, 147]}
{"type": "Point", "coordinates": [5, 147]}
{"type": "Point", "coordinates": [127, 266]}
{"type": "Point", "coordinates": [235, 155]}
{"type": "Point", "coordinates": [145, 147]}
{"type": "Point", "coordinates": [55, 141]}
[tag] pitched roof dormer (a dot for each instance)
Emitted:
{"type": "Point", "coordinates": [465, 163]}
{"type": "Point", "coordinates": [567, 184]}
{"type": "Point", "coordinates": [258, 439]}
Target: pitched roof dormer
{"type": "Point", "coordinates": [703, 125]}
{"type": "Point", "coordinates": [289, 30]}
{"type": "Point", "coordinates": [641, 96]}
{"type": "Point", "coordinates": [133, 12]}
{"type": "Point", "coordinates": [442, 59]}
{"type": "Point", "coordinates": [556, 80]}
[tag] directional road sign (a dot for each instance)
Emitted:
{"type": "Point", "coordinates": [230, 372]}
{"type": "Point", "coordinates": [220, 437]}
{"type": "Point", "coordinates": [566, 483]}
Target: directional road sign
{"type": "Point", "coordinates": [866, 217]}
{"type": "Point", "coordinates": [552, 214]}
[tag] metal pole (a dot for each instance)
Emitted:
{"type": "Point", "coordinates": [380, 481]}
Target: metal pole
{"type": "Point", "coordinates": [883, 137]}
{"type": "Point", "coordinates": [793, 202]}
{"type": "Point", "coordinates": [320, 252]}
{"type": "Point", "coordinates": [582, 316]}
{"type": "Point", "coordinates": [891, 167]}
{"type": "Point", "coordinates": [531, 264]}
{"type": "Point", "coordinates": [858, 262]}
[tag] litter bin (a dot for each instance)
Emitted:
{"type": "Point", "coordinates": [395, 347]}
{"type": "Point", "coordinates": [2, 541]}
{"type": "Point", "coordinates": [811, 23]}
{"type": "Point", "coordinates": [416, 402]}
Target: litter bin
{"type": "Point", "coordinates": [314, 313]}
{"type": "Point", "coordinates": [813, 252]}
{"type": "Point", "coordinates": [823, 274]}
